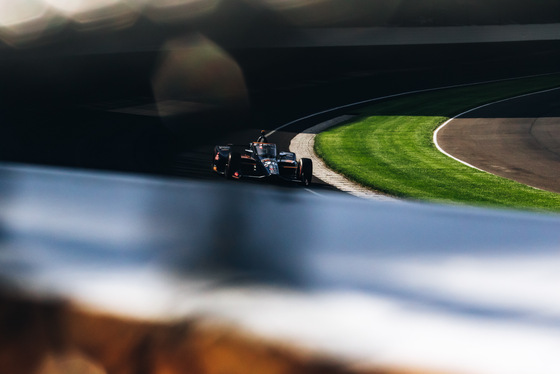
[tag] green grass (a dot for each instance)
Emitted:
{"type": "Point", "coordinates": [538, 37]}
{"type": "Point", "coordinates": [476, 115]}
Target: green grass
{"type": "Point", "coordinates": [389, 148]}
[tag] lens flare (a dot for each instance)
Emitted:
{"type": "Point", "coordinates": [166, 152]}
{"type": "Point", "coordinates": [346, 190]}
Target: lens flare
{"type": "Point", "coordinates": [305, 12]}
{"type": "Point", "coordinates": [99, 14]}
{"type": "Point", "coordinates": [177, 10]}
{"type": "Point", "coordinates": [196, 76]}
{"type": "Point", "coordinates": [333, 12]}
{"type": "Point", "coordinates": [23, 22]}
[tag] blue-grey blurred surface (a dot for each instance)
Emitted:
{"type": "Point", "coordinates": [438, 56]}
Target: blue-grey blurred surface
{"type": "Point", "coordinates": [55, 219]}
{"type": "Point", "coordinates": [334, 272]}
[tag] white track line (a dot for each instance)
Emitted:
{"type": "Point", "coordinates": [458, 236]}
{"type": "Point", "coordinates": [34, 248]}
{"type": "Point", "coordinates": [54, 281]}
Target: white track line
{"type": "Point", "coordinates": [307, 137]}
{"type": "Point", "coordinates": [350, 105]}
{"type": "Point", "coordinates": [313, 192]}
{"type": "Point", "coordinates": [471, 110]}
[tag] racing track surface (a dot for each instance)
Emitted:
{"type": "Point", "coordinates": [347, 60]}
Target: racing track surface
{"type": "Point", "coordinates": [98, 110]}
{"type": "Point", "coordinates": [517, 139]}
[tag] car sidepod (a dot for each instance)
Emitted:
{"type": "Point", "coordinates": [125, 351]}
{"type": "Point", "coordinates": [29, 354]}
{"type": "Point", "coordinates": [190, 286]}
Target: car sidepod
{"type": "Point", "coordinates": [287, 166]}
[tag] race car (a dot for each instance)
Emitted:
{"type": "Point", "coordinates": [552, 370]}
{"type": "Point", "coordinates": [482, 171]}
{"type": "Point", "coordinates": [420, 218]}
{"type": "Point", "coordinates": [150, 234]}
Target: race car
{"type": "Point", "coordinates": [261, 160]}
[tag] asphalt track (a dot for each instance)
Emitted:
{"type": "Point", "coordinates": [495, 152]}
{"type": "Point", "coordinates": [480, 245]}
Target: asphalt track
{"type": "Point", "coordinates": [518, 139]}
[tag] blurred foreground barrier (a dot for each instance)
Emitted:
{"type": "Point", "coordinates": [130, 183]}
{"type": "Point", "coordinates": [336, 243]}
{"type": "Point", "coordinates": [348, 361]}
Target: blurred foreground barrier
{"type": "Point", "coordinates": [126, 274]}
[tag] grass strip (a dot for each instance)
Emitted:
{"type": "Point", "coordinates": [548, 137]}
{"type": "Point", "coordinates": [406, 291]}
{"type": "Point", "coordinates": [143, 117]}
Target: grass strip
{"type": "Point", "coordinates": [388, 147]}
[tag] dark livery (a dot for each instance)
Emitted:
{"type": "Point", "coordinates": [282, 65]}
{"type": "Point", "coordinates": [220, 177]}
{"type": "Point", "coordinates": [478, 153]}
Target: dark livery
{"type": "Point", "coordinates": [261, 160]}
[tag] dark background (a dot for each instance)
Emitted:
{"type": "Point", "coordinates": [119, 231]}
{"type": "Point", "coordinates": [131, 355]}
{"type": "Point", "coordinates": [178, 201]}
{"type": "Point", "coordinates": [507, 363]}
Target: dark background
{"type": "Point", "coordinates": [56, 95]}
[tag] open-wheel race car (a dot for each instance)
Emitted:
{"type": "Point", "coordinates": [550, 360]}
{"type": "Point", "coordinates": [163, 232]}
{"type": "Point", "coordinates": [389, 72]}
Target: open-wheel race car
{"type": "Point", "coordinates": [261, 160]}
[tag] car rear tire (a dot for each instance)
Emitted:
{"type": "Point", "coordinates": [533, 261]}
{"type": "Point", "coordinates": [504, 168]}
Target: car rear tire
{"type": "Point", "coordinates": [305, 171]}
